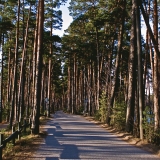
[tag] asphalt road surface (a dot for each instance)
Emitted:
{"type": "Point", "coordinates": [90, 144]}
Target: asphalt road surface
{"type": "Point", "coordinates": [73, 137]}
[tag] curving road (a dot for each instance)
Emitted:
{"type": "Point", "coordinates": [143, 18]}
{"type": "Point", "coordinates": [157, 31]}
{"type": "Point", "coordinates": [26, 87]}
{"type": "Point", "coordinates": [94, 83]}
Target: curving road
{"type": "Point", "coordinates": [72, 137]}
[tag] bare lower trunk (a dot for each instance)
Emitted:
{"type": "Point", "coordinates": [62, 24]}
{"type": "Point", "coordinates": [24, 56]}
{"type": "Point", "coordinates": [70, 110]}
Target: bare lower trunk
{"type": "Point", "coordinates": [14, 88]}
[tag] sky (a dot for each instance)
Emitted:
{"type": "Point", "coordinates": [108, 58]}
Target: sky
{"type": "Point", "coordinates": [67, 19]}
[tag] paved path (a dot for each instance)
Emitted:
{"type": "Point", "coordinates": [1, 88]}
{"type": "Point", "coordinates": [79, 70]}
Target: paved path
{"type": "Point", "coordinates": [3, 126]}
{"type": "Point", "coordinates": [73, 137]}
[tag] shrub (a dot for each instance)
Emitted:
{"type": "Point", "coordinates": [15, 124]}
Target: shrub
{"type": "Point", "coordinates": [119, 113]}
{"type": "Point", "coordinates": [97, 115]}
{"type": "Point", "coordinates": [100, 114]}
{"type": "Point", "coordinates": [103, 107]}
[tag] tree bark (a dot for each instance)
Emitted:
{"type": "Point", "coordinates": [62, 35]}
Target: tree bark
{"type": "Point", "coordinates": [156, 83]}
{"type": "Point", "coordinates": [131, 79]}
{"type": "Point", "coordinates": [37, 95]}
{"type": "Point", "coordinates": [21, 80]}
{"type": "Point", "coordinates": [14, 87]}
{"type": "Point", "coordinates": [140, 77]}
{"type": "Point", "coordinates": [115, 79]}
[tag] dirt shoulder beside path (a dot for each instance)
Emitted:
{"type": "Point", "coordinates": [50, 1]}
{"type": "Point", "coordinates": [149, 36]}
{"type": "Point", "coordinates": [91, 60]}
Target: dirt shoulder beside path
{"type": "Point", "coordinates": [26, 146]}
{"type": "Point", "coordinates": [129, 138]}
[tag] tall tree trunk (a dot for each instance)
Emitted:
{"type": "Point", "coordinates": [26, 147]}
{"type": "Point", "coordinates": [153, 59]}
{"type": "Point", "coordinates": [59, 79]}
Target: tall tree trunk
{"type": "Point", "coordinates": [89, 89]}
{"type": "Point", "coordinates": [74, 84]}
{"type": "Point", "coordinates": [84, 89]}
{"type": "Point", "coordinates": [69, 89]}
{"type": "Point", "coordinates": [140, 74]}
{"type": "Point", "coordinates": [14, 88]}
{"type": "Point", "coordinates": [94, 108]}
{"type": "Point", "coordinates": [29, 78]}
{"type": "Point", "coordinates": [98, 69]}
{"type": "Point", "coordinates": [21, 80]}
{"type": "Point", "coordinates": [37, 95]}
{"type": "Point", "coordinates": [9, 77]}
{"type": "Point", "coordinates": [49, 75]}
{"type": "Point", "coordinates": [156, 83]}
{"type": "Point", "coordinates": [9, 82]}
{"type": "Point", "coordinates": [1, 81]}
{"type": "Point", "coordinates": [115, 79]}
{"type": "Point", "coordinates": [35, 55]}
{"type": "Point", "coordinates": [131, 79]}
{"type": "Point", "coordinates": [72, 88]}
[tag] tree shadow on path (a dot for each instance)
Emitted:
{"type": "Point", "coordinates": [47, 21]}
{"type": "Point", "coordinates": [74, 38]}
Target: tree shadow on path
{"type": "Point", "coordinates": [66, 151]}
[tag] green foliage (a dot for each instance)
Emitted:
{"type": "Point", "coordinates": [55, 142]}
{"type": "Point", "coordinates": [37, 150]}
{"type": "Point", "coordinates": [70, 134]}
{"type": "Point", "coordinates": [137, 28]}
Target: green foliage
{"type": "Point", "coordinates": [119, 114]}
{"type": "Point", "coordinates": [65, 110]}
{"type": "Point", "coordinates": [80, 110]}
{"type": "Point", "coordinates": [156, 137]}
{"type": "Point", "coordinates": [5, 112]}
{"type": "Point", "coordinates": [2, 131]}
{"type": "Point", "coordinates": [100, 114]}
{"type": "Point", "coordinates": [150, 134]}
{"type": "Point", "coordinates": [103, 107]}
{"type": "Point", "coordinates": [148, 124]}
{"type": "Point", "coordinates": [8, 149]}
{"type": "Point", "coordinates": [97, 115]}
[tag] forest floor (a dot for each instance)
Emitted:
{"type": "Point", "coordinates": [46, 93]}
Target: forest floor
{"type": "Point", "coordinates": [28, 145]}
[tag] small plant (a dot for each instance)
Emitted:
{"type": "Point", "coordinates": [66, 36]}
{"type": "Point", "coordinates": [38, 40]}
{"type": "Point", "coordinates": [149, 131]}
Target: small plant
{"type": "Point", "coordinates": [80, 110]}
{"type": "Point", "coordinates": [100, 114]}
{"type": "Point", "coordinates": [103, 107]}
{"type": "Point", "coordinates": [150, 134]}
{"type": "Point", "coordinates": [119, 112]}
{"type": "Point", "coordinates": [65, 110]}
{"type": "Point", "coordinates": [8, 149]}
{"type": "Point", "coordinates": [148, 124]}
{"type": "Point", "coordinates": [5, 114]}
{"type": "Point", "coordinates": [97, 115]}
{"type": "Point", "coordinates": [2, 131]}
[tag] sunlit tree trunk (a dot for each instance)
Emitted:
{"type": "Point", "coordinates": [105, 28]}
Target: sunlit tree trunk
{"type": "Point", "coordinates": [80, 89]}
{"type": "Point", "coordinates": [156, 71]}
{"type": "Point", "coordinates": [69, 89]}
{"type": "Point", "coordinates": [29, 79]}
{"type": "Point", "coordinates": [140, 74]}
{"type": "Point", "coordinates": [1, 79]}
{"type": "Point", "coordinates": [22, 71]}
{"type": "Point", "coordinates": [93, 88]}
{"type": "Point", "coordinates": [98, 69]}
{"type": "Point", "coordinates": [89, 89]}
{"type": "Point", "coordinates": [14, 87]}
{"type": "Point", "coordinates": [74, 85]}
{"type": "Point", "coordinates": [9, 84]}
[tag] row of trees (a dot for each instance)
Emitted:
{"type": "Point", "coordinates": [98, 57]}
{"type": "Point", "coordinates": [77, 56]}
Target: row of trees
{"type": "Point", "coordinates": [112, 71]}
{"type": "Point", "coordinates": [31, 62]}
{"type": "Point", "coordinates": [102, 66]}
